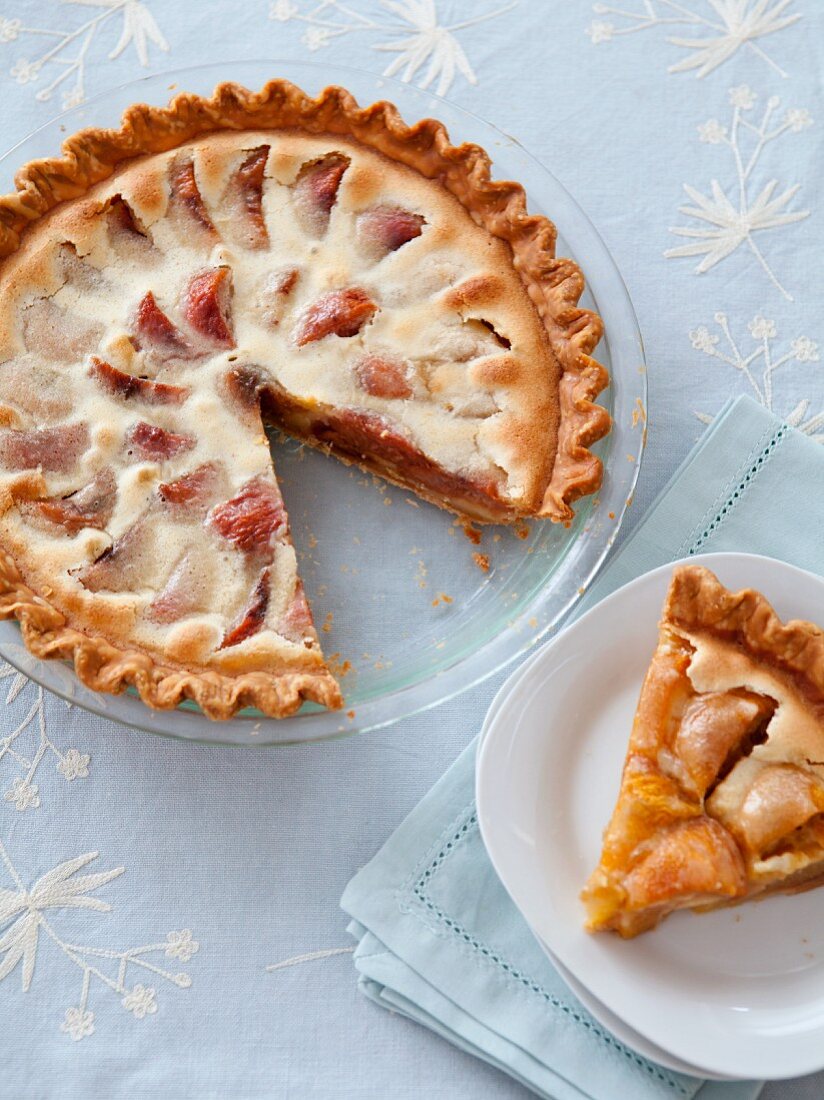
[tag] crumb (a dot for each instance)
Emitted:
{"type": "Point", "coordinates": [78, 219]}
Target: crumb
{"type": "Point", "coordinates": [522, 531]}
{"type": "Point", "coordinates": [472, 533]}
{"type": "Point", "coordinates": [451, 532]}
{"type": "Point", "coordinates": [440, 645]}
{"type": "Point", "coordinates": [338, 667]}
{"type": "Point", "coordinates": [350, 714]}
{"type": "Point", "coordinates": [327, 626]}
{"type": "Point", "coordinates": [412, 503]}
{"type": "Point", "coordinates": [322, 591]}
{"type": "Point", "coordinates": [482, 561]}
{"type": "Point", "coordinates": [441, 598]}
{"type": "Point", "coordinates": [420, 575]}
{"type": "Point", "coordinates": [629, 501]}
{"type": "Point", "coordinates": [387, 500]}
{"type": "Point", "coordinates": [312, 541]}
{"type": "Point", "coordinates": [496, 537]}
{"type": "Point", "coordinates": [379, 665]}
{"type": "Point", "coordinates": [533, 622]}
{"type": "Point", "coordinates": [630, 458]}
{"type": "Point", "coordinates": [581, 591]}
{"type": "Point", "coordinates": [611, 515]}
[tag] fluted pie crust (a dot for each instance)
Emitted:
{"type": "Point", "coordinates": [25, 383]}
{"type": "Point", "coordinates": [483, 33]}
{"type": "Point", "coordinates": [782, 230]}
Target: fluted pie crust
{"type": "Point", "coordinates": [722, 794]}
{"type": "Point", "coordinates": [526, 450]}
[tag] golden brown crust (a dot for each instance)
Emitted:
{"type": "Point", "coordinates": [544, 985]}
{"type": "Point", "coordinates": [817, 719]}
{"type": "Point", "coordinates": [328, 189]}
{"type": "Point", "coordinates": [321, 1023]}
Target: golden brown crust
{"type": "Point", "coordinates": [102, 667]}
{"type": "Point", "coordinates": [697, 601]}
{"type": "Point", "coordinates": [554, 286]}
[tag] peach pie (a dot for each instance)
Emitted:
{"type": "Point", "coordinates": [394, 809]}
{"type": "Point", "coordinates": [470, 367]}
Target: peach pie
{"type": "Point", "coordinates": [169, 287]}
{"type": "Point", "coordinates": [722, 795]}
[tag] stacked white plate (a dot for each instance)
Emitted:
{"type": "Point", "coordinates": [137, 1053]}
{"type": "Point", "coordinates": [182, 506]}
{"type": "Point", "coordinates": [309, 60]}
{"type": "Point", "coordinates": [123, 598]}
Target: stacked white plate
{"type": "Point", "coordinates": [737, 993]}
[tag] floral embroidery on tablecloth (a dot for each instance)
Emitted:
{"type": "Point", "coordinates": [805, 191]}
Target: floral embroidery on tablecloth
{"type": "Point", "coordinates": [23, 919]}
{"type": "Point", "coordinates": [718, 29]}
{"type": "Point", "coordinates": [422, 40]}
{"type": "Point", "coordinates": [728, 221]}
{"type": "Point", "coordinates": [310, 956]}
{"type": "Point", "coordinates": [29, 744]}
{"type": "Point", "coordinates": [63, 62]}
{"type": "Point", "coordinates": [758, 364]}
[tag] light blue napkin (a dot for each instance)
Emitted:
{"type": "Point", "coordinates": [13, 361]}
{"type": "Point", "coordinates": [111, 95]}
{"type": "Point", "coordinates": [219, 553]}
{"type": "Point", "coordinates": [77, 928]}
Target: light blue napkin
{"type": "Point", "coordinates": [439, 939]}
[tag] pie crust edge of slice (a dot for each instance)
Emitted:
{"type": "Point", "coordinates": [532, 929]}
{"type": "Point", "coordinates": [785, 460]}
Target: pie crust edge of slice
{"type": "Point", "coordinates": [554, 286]}
{"type": "Point", "coordinates": [741, 632]}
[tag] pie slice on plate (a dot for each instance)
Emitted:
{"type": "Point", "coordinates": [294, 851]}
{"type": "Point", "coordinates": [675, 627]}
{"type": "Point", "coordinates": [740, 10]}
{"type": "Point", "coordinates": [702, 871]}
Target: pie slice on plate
{"type": "Point", "coordinates": [722, 794]}
{"type": "Point", "coordinates": [169, 287]}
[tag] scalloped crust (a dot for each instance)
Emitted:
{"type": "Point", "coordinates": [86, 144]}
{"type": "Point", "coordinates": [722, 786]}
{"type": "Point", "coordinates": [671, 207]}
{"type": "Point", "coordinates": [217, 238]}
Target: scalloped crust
{"type": "Point", "coordinates": [553, 285]}
{"type": "Point", "coordinates": [698, 601]}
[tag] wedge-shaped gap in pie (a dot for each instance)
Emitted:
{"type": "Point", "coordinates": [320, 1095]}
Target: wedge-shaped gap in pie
{"type": "Point", "coordinates": [719, 800]}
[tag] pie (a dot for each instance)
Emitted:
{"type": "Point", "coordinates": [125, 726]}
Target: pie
{"type": "Point", "coordinates": [168, 288]}
{"type": "Point", "coordinates": [722, 794]}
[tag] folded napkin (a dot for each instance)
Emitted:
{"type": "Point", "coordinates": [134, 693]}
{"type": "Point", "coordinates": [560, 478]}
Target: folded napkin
{"type": "Point", "coordinates": [439, 939]}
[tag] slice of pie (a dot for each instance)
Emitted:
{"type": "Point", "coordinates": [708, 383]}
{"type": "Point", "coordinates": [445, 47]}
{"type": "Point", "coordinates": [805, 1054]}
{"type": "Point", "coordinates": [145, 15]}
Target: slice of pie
{"type": "Point", "coordinates": [722, 795]}
{"type": "Point", "coordinates": [170, 286]}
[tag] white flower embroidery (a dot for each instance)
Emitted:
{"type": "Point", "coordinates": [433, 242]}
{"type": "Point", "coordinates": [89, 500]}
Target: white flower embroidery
{"type": "Point", "coordinates": [69, 49]}
{"type": "Point", "coordinates": [712, 132]}
{"type": "Point", "coordinates": [763, 332]}
{"type": "Point", "coordinates": [798, 119]}
{"type": "Point", "coordinates": [426, 49]}
{"type": "Point", "coordinates": [23, 794]}
{"type": "Point", "coordinates": [726, 224]}
{"type": "Point", "coordinates": [282, 11]}
{"type": "Point", "coordinates": [600, 31]}
{"type": "Point", "coordinates": [804, 350]}
{"type": "Point", "coordinates": [315, 37]}
{"type": "Point", "coordinates": [28, 744]}
{"type": "Point", "coordinates": [140, 1001]}
{"type": "Point", "coordinates": [74, 765]}
{"type": "Point", "coordinates": [78, 1024]}
{"type": "Point", "coordinates": [742, 96]}
{"type": "Point", "coordinates": [703, 340]}
{"type": "Point", "coordinates": [23, 916]}
{"type": "Point", "coordinates": [725, 27]}
{"type": "Point", "coordinates": [180, 945]}
{"type": "Point", "coordinates": [9, 29]}
{"type": "Point", "coordinates": [25, 71]}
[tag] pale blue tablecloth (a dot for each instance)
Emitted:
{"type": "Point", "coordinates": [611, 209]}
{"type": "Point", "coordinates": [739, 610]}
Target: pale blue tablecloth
{"type": "Point", "coordinates": [677, 126]}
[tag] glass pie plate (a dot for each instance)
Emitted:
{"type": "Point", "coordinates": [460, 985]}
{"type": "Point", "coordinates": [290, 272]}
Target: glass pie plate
{"type": "Point", "coordinates": [406, 614]}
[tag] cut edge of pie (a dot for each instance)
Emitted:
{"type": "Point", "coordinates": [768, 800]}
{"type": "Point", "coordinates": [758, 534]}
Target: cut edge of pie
{"type": "Point", "coordinates": [553, 285]}
{"type": "Point", "coordinates": [722, 792]}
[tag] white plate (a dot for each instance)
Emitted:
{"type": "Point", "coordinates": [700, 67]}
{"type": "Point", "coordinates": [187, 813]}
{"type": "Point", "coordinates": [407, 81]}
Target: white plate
{"type": "Point", "coordinates": [739, 992]}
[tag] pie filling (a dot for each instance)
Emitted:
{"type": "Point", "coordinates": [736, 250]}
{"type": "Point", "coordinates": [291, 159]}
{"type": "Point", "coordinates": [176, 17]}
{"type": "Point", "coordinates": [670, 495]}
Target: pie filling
{"type": "Point", "coordinates": [712, 809]}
